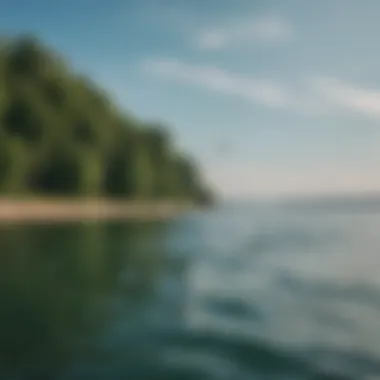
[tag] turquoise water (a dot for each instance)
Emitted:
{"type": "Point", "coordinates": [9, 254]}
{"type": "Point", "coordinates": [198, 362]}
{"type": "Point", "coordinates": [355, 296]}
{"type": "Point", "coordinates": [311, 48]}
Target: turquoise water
{"type": "Point", "coordinates": [242, 291]}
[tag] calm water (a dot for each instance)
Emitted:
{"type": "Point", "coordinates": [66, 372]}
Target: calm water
{"type": "Point", "coordinates": [239, 292]}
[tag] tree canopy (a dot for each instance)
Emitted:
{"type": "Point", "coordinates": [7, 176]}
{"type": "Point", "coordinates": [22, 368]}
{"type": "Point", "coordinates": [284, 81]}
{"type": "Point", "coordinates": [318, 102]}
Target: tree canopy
{"type": "Point", "coordinates": [60, 134]}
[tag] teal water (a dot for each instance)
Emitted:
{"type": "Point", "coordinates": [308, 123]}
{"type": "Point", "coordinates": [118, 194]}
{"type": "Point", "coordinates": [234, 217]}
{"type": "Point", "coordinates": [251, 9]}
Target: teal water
{"type": "Point", "coordinates": [238, 292]}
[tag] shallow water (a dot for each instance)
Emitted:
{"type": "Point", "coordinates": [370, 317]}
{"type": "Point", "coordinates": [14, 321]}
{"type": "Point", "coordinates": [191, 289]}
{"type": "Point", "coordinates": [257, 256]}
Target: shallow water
{"type": "Point", "coordinates": [239, 292]}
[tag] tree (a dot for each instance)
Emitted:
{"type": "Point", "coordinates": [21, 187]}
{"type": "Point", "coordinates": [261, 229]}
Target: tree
{"type": "Point", "coordinates": [62, 134]}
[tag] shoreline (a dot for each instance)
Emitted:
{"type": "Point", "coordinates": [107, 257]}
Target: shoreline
{"type": "Point", "coordinates": [72, 210]}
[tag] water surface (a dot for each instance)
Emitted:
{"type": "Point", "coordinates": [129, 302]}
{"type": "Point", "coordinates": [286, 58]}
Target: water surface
{"type": "Point", "coordinates": [237, 292]}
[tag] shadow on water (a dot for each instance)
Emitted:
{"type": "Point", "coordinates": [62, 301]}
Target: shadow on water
{"type": "Point", "coordinates": [57, 284]}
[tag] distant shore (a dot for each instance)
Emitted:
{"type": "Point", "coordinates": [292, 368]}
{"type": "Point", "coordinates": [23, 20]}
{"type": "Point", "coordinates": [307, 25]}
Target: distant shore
{"type": "Point", "coordinates": [66, 210]}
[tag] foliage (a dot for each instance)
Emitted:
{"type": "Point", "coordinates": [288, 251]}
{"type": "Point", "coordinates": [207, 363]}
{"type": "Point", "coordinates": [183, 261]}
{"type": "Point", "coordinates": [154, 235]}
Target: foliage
{"type": "Point", "coordinates": [61, 134]}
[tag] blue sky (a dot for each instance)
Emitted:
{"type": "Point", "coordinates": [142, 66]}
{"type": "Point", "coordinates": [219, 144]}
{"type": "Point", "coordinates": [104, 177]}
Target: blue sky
{"type": "Point", "coordinates": [272, 97]}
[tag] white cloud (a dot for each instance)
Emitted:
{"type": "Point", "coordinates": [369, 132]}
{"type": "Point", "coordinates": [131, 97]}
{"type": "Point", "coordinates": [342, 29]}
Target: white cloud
{"type": "Point", "coordinates": [267, 29]}
{"type": "Point", "coordinates": [254, 90]}
{"type": "Point", "coordinates": [347, 96]}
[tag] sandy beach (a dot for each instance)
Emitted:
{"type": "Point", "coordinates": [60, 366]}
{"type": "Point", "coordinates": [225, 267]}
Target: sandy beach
{"type": "Point", "coordinates": [60, 210]}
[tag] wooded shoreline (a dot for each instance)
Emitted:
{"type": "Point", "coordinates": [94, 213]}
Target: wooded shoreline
{"type": "Point", "coordinates": [71, 210]}
{"type": "Point", "coordinates": [62, 135]}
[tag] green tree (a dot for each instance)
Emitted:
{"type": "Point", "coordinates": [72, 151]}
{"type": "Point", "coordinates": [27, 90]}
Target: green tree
{"type": "Point", "coordinates": [62, 134]}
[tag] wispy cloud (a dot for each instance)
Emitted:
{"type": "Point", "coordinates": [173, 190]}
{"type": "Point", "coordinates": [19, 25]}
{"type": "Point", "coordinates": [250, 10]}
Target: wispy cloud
{"type": "Point", "coordinates": [338, 93]}
{"type": "Point", "coordinates": [266, 29]}
{"type": "Point", "coordinates": [255, 90]}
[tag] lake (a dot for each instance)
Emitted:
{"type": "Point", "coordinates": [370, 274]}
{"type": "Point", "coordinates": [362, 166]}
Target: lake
{"type": "Point", "coordinates": [242, 291]}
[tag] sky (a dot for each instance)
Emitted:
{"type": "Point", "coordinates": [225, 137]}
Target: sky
{"type": "Point", "coordinates": [272, 97]}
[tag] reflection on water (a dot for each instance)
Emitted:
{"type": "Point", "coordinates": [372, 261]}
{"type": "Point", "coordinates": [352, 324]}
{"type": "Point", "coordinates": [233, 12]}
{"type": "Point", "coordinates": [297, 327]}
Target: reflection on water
{"type": "Point", "coordinates": [236, 293]}
{"type": "Point", "coordinates": [60, 287]}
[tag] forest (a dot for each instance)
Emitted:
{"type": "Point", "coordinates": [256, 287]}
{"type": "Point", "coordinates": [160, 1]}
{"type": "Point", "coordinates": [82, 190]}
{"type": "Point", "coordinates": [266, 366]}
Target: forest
{"type": "Point", "coordinates": [62, 135]}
